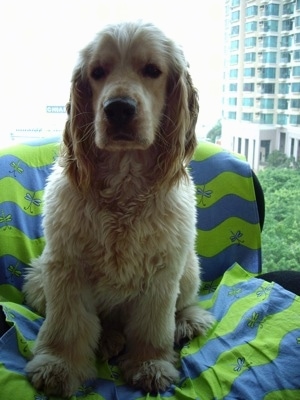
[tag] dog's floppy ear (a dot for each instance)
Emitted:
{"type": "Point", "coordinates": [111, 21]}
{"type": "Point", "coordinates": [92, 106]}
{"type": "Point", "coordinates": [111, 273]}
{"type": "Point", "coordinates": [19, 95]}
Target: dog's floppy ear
{"type": "Point", "coordinates": [79, 152]}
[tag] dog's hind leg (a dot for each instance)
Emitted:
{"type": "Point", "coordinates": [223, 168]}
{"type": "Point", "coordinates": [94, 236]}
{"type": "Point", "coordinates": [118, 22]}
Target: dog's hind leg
{"type": "Point", "coordinates": [191, 319]}
{"type": "Point", "coordinates": [34, 288]}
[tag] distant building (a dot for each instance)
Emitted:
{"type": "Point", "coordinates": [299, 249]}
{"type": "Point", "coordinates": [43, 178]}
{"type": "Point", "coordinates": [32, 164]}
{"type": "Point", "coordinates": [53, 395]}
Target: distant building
{"type": "Point", "coordinates": [261, 93]}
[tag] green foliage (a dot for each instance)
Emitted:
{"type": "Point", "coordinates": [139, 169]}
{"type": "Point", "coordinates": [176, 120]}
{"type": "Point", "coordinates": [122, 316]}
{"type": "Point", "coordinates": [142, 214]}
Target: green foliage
{"type": "Point", "coordinates": [215, 131]}
{"type": "Point", "coordinates": [281, 233]}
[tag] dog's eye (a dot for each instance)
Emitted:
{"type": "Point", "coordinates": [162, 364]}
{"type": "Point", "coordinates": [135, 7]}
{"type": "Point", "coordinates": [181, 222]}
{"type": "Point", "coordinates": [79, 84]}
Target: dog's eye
{"type": "Point", "coordinates": [98, 73]}
{"type": "Point", "coordinates": [151, 71]}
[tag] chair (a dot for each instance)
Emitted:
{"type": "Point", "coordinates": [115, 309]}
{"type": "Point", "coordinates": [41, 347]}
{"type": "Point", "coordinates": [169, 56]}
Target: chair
{"type": "Point", "coordinates": [252, 351]}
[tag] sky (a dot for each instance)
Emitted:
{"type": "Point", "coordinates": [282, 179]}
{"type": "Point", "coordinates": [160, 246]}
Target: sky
{"type": "Point", "coordinates": [40, 40]}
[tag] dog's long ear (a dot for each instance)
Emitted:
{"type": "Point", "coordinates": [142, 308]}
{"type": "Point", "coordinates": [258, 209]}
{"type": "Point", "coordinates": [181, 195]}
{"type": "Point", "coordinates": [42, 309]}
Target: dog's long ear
{"type": "Point", "coordinates": [178, 136]}
{"type": "Point", "coordinates": [78, 153]}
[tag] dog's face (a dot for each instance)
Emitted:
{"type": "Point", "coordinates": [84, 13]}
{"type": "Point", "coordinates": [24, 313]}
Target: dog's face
{"type": "Point", "coordinates": [128, 79]}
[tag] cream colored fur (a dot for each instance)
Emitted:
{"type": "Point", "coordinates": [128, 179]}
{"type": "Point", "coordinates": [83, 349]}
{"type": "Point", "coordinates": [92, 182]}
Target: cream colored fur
{"type": "Point", "coordinates": [119, 266]}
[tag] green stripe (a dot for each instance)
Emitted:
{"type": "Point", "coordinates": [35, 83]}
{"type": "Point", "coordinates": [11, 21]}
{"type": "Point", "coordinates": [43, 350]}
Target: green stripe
{"type": "Point", "coordinates": [10, 293]}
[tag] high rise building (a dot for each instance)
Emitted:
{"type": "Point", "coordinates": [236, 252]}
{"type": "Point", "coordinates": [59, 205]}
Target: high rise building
{"type": "Point", "coordinates": [261, 93]}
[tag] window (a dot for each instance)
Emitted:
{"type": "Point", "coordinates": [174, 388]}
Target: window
{"type": "Point", "coordinates": [234, 45]}
{"type": "Point", "coordinates": [266, 118]}
{"type": "Point", "coordinates": [249, 71]}
{"type": "Point", "coordinates": [250, 42]}
{"type": "Point", "coordinates": [234, 58]}
{"type": "Point", "coordinates": [287, 25]}
{"type": "Point", "coordinates": [297, 38]}
{"type": "Point", "coordinates": [248, 101]}
{"type": "Point", "coordinates": [283, 88]}
{"type": "Point", "coordinates": [249, 57]}
{"type": "Point", "coordinates": [235, 3]}
{"type": "Point", "coordinates": [282, 104]}
{"type": "Point", "coordinates": [235, 30]}
{"type": "Point", "coordinates": [233, 73]}
{"type": "Point", "coordinates": [298, 5]}
{"type": "Point", "coordinates": [297, 22]}
{"type": "Point", "coordinates": [285, 57]}
{"type": "Point", "coordinates": [232, 101]}
{"type": "Point", "coordinates": [233, 87]}
{"type": "Point", "coordinates": [286, 41]}
{"type": "Point", "coordinates": [295, 103]}
{"type": "Point", "coordinates": [235, 16]}
{"type": "Point", "coordinates": [296, 71]}
{"type": "Point", "coordinates": [288, 8]}
{"type": "Point", "coordinates": [231, 115]}
{"type": "Point", "coordinates": [272, 9]}
{"type": "Point", "coordinates": [251, 11]}
{"type": "Point", "coordinates": [251, 26]}
{"type": "Point", "coordinates": [270, 41]}
{"type": "Point", "coordinates": [295, 88]}
{"type": "Point", "coordinates": [268, 73]}
{"type": "Point", "coordinates": [269, 57]}
{"type": "Point", "coordinates": [297, 55]}
{"type": "Point", "coordinates": [282, 120]}
{"type": "Point", "coordinates": [295, 119]}
{"type": "Point", "coordinates": [284, 73]}
{"type": "Point", "coordinates": [247, 116]}
{"type": "Point", "coordinates": [270, 26]}
{"type": "Point", "coordinates": [268, 88]}
{"type": "Point", "coordinates": [248, 87]}
{"type": "Point", "coordinates": [267, 103]}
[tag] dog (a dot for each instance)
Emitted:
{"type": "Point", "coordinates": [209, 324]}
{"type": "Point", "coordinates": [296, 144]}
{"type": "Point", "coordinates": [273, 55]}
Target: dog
{"type": "Point", "coordinates": [119, 271]}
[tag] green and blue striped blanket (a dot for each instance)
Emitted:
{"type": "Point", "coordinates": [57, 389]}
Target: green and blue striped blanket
{"type": "Point", "coordinates": [253, 350]}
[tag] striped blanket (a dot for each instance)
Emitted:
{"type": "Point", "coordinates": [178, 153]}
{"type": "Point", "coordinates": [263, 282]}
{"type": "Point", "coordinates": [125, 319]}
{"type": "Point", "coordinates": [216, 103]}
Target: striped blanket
{"type": "Point", "coordinates": [252, 351]}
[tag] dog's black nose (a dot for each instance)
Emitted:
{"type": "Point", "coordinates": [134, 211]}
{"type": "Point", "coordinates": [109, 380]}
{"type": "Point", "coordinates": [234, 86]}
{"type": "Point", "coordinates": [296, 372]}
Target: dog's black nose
{"type": "Point", "coordinates": [120, 110]}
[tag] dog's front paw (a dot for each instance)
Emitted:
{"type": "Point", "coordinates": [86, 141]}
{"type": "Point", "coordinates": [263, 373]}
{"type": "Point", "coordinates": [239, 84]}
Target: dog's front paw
{"type": "Point", "coordinates": [53, 375]}
{"type": "Point", "coordinates": [151, 376]}
{"type": "Point", "coordinates": [192, 321]}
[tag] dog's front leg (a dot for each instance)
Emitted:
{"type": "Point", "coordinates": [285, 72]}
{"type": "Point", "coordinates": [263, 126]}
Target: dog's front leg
{"type": "Point", "coordinates": [64, 349]}
{"type": "Point", "coordinates": [149, 361]}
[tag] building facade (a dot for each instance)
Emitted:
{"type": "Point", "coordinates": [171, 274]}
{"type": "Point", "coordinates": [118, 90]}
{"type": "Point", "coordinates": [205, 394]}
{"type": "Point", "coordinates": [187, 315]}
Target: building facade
{"type": "Point", "coordinates": [261, 93]}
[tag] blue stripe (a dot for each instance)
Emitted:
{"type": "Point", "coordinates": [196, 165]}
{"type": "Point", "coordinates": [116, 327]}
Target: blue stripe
{"type": "Point", "coordinates": [32, 178]}
{"type": "Point", "coordinates": [230, 205]}
{"type": "Point", "coordinates": [12, 271]}
{"type": "Point", "coordinates": [213, 267]}
{"type": "Point", "coordinates": [205, 171]}
{"type": "Point", "coordinates": [29, 224]}
{"type": "Point", "coordinates": [42, 141]}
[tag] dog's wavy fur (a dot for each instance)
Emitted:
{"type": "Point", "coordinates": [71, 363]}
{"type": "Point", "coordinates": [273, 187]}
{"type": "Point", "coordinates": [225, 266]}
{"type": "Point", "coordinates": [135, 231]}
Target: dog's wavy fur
{"type": "Point", "coordinates": [119, 266]}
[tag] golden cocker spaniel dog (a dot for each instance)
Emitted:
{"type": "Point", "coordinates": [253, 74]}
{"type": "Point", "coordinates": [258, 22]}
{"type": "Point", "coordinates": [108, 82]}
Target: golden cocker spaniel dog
{"type": "Point", "coordinates": [119, 270]}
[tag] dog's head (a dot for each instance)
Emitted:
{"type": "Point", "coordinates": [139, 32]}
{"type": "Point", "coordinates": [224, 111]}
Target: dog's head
{"type": "Point", "coordinates": [131, 90]}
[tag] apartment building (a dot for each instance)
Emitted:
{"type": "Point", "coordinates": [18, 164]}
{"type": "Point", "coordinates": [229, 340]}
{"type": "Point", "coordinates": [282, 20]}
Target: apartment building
{"type": "Point", "coordinates": [261, 93]}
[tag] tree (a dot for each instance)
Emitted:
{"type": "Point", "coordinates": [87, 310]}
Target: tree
{"type": "Point", "coordinates": [215, 131]}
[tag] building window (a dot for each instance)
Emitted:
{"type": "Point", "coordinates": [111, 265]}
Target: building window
{"type": "Point", "coordinates": [270, 26]}
{"type": "Point", "coordinates": [268, 73]}
{"type": "Point", "coordinates": [250, 42]}
{"type": "Point", "coordinates": [234, 58]}
{"type": "Point", "coordinates": [234, 45]}
{"type": "Point", "coordinates": [249, 71]}
{"type": "Point", "coordinates": [295, 87]}
{"type": "Point", "coordinates": [270, 41]}
{"type": "Point", "coordinates": [232, 101]}
{"type": "Point", "coordinates": [282, 104]}
{"type": "Point", "coordinates": [296, 71]}
{"type": "Point", "coordinates": [233, 73]}
{"type": "Point", "coordinates": [297, 55]}
{"type": "Point", "coordinates": [286, 41]}
{"type": "Point", "coordinates": [268, 88]}
{"type": "Point", "coordinates": [250, 57]}
{"type": "Point", "coordinates": [248, 87]}
{"type": "Point", "coordinates": [288, 8]}
{"type": "Point", "coordinates": [282, 120]}
{"type": "Point", "coordinates": [297, 22]}
{"type": "Point", "coordinates": [235, 3]}
{"type": "Point", "coordinates": [232, 115]}
{"type": "Point", "coordinates": [235, 16]}
{"type": "Point", "coordinates": [272, 9]}
{"type": "Point", "coordinates": [269, 57]}
{"type": "Point", "coordinates": [295, 103]}
{"type": "Point", "coordinates": [283, 88]}
{"type": "Point", "coordinates": [248, 101]}
{"type": "Point", "coordinates": [266, 118]}
{"type": "Point", "coordinates": [298, 5]}
{"type": "Point", "coordinates": [267, 104]}
{"type": "Point", "coordinates": [284, 73]}
{"type": "Point", "coordinates": [247, 116]}
{"type": "Point", "coordinates": [285, 57]}
{"type": "Point", "coordinates": [251, 26]}
{"type": "Point", "coordinates": [295, 119]}
{"type": "Point", "coordinates": [251, 11]}
{"type": "Point", "coordinates": [233, 87]}
{"type": "Point", "coordinates": [235, 30]}
{"type": "Point", "coordinates": [287, 25]}
{"type": "Point", "coordinates": [297, 38]}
